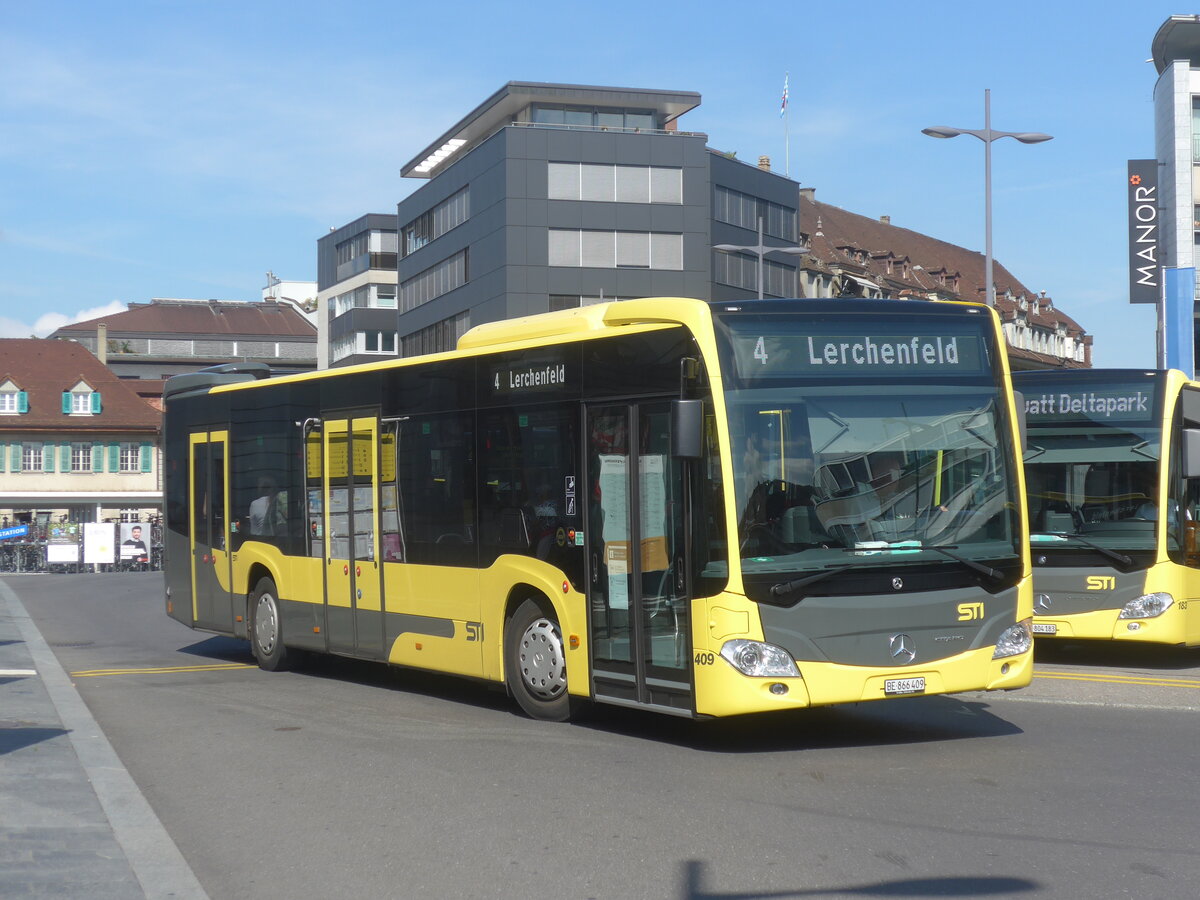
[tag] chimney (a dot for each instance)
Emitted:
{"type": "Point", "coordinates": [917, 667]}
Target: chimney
{"type": "Point", "coordinates": [102, 343]}
{"type": "Point", "coordinates": [886, 220]}
{"type": "Point", "coordinates": [809, 194]}
{"type": "Point", "coordinates": [764, 163]}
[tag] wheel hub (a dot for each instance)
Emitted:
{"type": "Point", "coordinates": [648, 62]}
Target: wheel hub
{"type": "Point", "coordinates": [543, 667]}
{"type": "Point", "coordinates": [266, 623]}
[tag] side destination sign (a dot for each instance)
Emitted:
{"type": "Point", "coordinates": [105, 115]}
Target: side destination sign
{"type": "Point", "coordinates": [529, 377]}
{"type": "Point", "coordinates": [867, 353]}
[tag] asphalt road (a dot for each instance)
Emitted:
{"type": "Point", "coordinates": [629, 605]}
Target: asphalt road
{"type": "Point", "coordinates": [352, 779]}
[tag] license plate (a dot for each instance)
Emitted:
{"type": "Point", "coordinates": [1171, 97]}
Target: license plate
{"type": "Point", "coordinates": [904, 686]}
{"type": "Point", "coordinates": [1045, 628]}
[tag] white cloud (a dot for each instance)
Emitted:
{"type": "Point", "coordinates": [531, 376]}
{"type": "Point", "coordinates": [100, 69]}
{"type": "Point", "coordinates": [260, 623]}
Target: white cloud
{"type": "Point", "coordinates": [47, 322]}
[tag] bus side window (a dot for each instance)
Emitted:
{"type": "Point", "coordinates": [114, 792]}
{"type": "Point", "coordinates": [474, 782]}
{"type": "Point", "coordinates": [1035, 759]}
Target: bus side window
{"type": "Point", "coordinates": [435, 473]}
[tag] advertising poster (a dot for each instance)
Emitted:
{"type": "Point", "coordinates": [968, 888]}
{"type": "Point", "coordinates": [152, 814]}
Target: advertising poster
{"type": "Point", "coordinates": [133, 541]}
{"type": "Point", "coordinates": [99, 542]}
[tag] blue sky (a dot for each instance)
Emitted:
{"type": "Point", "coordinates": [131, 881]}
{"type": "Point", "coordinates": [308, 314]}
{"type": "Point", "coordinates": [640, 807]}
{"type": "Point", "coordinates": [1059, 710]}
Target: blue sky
{"type": "Point", "coordinates": [183, 149]}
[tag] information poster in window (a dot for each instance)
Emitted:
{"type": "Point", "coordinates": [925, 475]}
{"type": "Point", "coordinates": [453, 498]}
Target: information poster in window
{"type": "Point", "coordinates": [653, 487]}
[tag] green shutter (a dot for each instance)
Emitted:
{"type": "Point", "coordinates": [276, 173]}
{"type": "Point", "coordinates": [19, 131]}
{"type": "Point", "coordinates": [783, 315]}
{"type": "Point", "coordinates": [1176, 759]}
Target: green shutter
{"type": "Point", "coordinates": [48, 457]}
{"type": "Point", "coordinates": [95, 403]}
{"type": "Point", "coordinates": [3, 457]}
{"type": "Point", "coordinates": [14, 458]}
{"type": "Point", "coordinates": [64, 457]}
{"type": "Point", "coordinates": [66, 403]}
{"type": "Point", "coordinates": [114, 457]}
{"type": "Point", "coordinates": [146, 454]}
{"type": "Point", "coordinates": [97, 457]}
{"type": "Point", "coordinates": [22, 401]}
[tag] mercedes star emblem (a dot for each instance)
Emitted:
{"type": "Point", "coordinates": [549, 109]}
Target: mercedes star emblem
{"type": "Point", "coordinates": [903, 648]}
{"type": "Point", "coordinates": [897, 583]}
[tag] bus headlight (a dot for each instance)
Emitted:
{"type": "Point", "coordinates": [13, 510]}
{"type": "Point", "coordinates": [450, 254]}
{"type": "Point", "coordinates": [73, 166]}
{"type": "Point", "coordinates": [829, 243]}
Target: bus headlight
{"type": "Point", "coordinates": [1015, 639]}
{"type": "Point", "coordinates": [759, 659]}
{"type": "Point", "coordinates": [1146, 606]}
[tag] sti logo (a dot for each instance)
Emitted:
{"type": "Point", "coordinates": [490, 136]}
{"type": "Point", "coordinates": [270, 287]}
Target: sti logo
{"type": "Point", "coordinates": [1101, 583]}
{"type": "Point", "coordinates": [969, 611]}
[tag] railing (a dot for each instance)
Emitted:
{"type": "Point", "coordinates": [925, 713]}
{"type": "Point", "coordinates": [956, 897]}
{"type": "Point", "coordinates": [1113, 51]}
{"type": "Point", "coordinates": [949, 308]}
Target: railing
{"type": "Point", "coordinates": [30, 558]}
{"type": "Point", "coordinates": [621, 129]}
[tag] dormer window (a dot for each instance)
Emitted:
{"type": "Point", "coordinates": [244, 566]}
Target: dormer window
{"type": "Point", "coordinates": [13, 400]}
{"type": "Point", "coordinates": [81, 400]}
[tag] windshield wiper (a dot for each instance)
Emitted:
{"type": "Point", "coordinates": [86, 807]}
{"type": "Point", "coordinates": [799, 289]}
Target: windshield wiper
{"type": "Point", "coordinates": [1103, 551]}
{"type": "Point", "coordinates": [994, 574]}
{"type": "Point", "coordinates": [787, 587]}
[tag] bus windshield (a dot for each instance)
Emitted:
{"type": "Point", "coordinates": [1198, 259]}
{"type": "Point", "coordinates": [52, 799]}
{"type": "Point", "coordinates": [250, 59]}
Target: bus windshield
{"type": "Point", "coordinates": [1091, 470]}
{"type": "Point", "coordinates": [884, 472]}
{"type": "Point", "coordinates": [862, 468]}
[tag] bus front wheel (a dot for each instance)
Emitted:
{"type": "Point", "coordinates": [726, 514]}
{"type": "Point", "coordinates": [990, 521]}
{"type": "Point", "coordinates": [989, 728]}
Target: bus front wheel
{"type": "Point", "coordinates": [266, 629]}
{"type": "Point", "coordinates": [535, 663]}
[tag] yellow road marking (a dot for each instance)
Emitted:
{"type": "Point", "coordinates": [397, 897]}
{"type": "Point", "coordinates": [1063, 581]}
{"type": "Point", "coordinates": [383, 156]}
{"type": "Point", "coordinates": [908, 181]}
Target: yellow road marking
{"type": "Point", "coordinates": [1145, 680]}
{"type": "Point", "coordinates": [162, 670]}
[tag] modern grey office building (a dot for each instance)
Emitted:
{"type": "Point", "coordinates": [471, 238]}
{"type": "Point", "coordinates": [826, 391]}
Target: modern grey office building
{"type": "Point", "coordinates": [547, 196]}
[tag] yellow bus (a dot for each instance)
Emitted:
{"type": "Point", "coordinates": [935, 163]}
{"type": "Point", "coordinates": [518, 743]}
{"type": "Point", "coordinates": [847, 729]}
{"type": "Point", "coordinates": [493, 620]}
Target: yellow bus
{"type": "Point", "coordinates": [1107, 450]}
{"type": "Point", "coordinates": [705, 509]}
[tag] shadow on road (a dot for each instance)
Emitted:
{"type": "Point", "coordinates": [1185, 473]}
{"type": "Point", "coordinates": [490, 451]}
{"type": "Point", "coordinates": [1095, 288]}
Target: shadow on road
{"type": "Point", "coordinates": [964, 886]}
{"type": "Point", "coordinates": [1114, 654]}
{"type": "Point", "coordinates": [19, 737]}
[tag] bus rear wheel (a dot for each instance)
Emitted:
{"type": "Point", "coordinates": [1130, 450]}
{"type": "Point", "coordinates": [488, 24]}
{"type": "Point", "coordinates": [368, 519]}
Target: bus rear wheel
{"type": "Point", "coordinates": [536, 664]}
{"type": "Point", "coordinates": [266, 627]}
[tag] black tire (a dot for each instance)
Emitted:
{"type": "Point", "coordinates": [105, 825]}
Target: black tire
{"type": "Point", "coordinates": [266, 627]}
{"type": "Point", "coordinates": [535, 664]}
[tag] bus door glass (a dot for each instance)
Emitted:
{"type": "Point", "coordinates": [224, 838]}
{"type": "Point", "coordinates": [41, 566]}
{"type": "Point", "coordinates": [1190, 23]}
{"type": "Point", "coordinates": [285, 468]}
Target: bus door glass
{"type": "Point", "coordinates": [636, 567]}
{"type": "Point", "coordinates": [208, 471]}
{"type": "Point", "coordinates": [353, 609]}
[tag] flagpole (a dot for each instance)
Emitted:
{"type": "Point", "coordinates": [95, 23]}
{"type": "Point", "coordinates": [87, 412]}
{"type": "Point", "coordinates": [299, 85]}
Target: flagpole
{"type": "Point", "coordinates": [787, 135]}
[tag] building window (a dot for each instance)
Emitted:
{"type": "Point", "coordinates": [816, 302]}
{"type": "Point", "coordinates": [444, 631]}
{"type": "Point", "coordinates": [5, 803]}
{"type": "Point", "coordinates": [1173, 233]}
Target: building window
{"type": "Point", "coordinates": [81, 403]}
{"type": "Point", "coordinates": [131, 457]}
{"type": "Point", "coordinates": [343, 347]}
{"type": "Point", "coordinates": [740, 270]}
{"type": "Point", "coordinates": [574, 301]}
{"type": "Point", "coordinates": [606, 118]}
{"type": "Point", "coordinates": [368, 296]}
{"type": "Point", "coordinates": [610, 183]}
{"type": "Point", "coordinates": [744, 211]}
{"type": "Point", "coordinates": [615, 249]}
{"type": "Point", "coordinates": [379, 342]}
{"type": "Point", "coordinates": [81, 457]}
{"type": "Point", "coordinates": [31, 457]}
{"type": "Point", "coordinates": [435, 281]}
{"type": "Point", "coordinates": [12, 401]}
{"type": "Point", "coordinates": [433, 223]}
{"type": "Point", "coordinates": [436, 338]}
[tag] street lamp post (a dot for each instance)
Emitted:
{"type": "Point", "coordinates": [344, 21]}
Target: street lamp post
{"type": "Point", "coordinates": [760, 250]}
{"type": "Point", "coordinates": [987, 135]}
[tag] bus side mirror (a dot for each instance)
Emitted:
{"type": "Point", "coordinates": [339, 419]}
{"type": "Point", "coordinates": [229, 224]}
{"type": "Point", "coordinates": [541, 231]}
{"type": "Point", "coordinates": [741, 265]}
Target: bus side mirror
{"type": "Point", "coordinates": [1022, 426]}
{"type": "Point", "coordinates": [687, 429]}
{"type": "Point", "coordinates": [1191, 453]}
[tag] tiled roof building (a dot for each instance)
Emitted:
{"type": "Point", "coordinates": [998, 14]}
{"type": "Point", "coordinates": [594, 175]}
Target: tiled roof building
{"type": "Point", "coordinates": [168, 337]}
{"type": "Point", "coordinates": [75, 440]}
{"type": "Point", "coordinates": [854, 255]}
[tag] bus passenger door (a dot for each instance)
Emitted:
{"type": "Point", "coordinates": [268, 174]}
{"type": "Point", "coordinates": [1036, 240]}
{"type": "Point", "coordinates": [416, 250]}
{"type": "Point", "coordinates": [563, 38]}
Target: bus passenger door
{"type": "Point", "coordinates": [208, 500]}
{"type": "Point", "coordinates": [353, 609]}
{"type": "Point", "coordinates": [640, 634]}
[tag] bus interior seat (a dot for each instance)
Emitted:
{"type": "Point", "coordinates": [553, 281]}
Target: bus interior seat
{"type": "Point", "coordinates": [514, 530]}
{"type": "Point", "coordinates": [800, 525]}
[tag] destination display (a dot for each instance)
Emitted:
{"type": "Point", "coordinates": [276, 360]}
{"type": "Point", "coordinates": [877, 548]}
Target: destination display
{"type": "Point", "coordinates": [1110, 403]}
{"type": "Point", "coordinates": [526, 376]}
{"type": "Point", "coordinates": [772, 347]}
